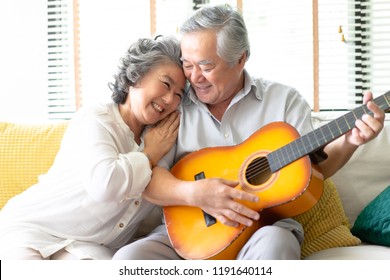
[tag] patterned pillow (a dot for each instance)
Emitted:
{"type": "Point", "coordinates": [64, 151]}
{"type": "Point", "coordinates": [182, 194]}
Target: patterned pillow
{"type": "Point", "coordinates": [373, 223]}
{"type": "Point", "coordinates": [326, 225]}
{"type": "Point", "coordinates": [26, 151]}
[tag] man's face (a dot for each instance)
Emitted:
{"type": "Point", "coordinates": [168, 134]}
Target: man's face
{"type": "Point", "coordinates": [213, 80]}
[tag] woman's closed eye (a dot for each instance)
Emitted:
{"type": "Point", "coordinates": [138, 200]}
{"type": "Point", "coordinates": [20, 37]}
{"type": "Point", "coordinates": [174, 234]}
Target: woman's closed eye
{"type": "Point", "coordinates": [179, 95]}
{"type": "Point", "coordinates": [168, 86]}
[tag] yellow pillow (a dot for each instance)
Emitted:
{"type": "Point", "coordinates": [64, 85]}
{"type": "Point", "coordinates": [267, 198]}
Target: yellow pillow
{"type": "Point", "coordinates": [26, 151]}
{"type": "Point", "coordinates": [326, 225]}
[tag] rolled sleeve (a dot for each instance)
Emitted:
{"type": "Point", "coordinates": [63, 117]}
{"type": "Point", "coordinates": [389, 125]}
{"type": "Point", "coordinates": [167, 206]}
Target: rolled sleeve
{"type": "Point", "coordinates": [141, 171]}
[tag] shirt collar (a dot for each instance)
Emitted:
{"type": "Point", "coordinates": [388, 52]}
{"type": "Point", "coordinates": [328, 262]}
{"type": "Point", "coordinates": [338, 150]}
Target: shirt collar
{"type": "Point", "coordinates": [250, 86]}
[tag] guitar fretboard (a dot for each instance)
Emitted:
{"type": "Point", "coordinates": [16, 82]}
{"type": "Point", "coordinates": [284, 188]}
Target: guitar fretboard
{"type": "Point", "coordinates": [316, 139]}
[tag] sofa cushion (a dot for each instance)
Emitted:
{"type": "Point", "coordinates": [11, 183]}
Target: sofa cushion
{"type": "Point", "coordinates": [373, 223]}
{"type": "Point", "coordinates": [361, 252]}
{"type": "Point", "coordinates": [326, 225]}
{"type": "Point", "coordinates": [26, 151]}
{"type": "Point", "coordinates": [366, 174]}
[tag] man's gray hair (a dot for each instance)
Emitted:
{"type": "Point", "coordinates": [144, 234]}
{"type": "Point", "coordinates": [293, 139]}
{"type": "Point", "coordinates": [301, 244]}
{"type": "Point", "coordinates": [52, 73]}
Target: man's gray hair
{"type": "Point", "coordinates": [232, 35]}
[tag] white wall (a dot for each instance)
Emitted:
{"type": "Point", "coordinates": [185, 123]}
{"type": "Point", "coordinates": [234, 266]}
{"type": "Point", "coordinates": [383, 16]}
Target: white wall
{"type": "Point", "coordinates": [23, 61]}
{"type": "Point", "coordinates": [106, 34]}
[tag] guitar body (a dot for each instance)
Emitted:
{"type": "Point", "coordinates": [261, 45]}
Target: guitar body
{"type": "Point", "coordinates": [287, 192]}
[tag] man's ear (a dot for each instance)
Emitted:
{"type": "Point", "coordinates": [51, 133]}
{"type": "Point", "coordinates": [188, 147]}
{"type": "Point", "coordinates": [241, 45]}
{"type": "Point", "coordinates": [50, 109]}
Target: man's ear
{"type": "Point", "coordinates": [242, 59]}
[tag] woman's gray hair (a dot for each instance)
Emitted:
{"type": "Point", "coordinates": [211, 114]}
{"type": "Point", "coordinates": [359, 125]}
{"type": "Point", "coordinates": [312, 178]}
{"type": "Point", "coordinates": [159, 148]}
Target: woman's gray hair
{"type": "Point", "coordinates": [139, 59]}
{"type": "Point", "coordinates": [232, 35]}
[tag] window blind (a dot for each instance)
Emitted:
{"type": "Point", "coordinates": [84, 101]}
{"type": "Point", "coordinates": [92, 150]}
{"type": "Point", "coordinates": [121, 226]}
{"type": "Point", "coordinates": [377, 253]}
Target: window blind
{"type": "Point", "coordinates": [61, 84]}
{"type": "Point", "coordinates": [378, 29]}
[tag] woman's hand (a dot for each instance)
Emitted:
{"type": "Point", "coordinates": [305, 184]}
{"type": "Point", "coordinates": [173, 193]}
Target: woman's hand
{"type": "Point", "coordinates": [160, 138]}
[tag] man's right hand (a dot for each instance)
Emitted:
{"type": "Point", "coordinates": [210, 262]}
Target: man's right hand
{"type": "Point", "coordinates": [219, 198]}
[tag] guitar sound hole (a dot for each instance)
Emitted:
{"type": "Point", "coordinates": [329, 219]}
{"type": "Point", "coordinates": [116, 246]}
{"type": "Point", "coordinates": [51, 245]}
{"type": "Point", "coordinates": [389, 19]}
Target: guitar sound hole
{"type": "Point", "coordinates": [258, 171]}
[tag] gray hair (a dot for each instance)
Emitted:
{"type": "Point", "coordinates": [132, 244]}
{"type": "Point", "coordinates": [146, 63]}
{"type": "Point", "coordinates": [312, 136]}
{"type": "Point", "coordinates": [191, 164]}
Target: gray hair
{"type": "Point", "coordinates": [139, 59]}
{"type": "Point", "coordinates": [232, 35]}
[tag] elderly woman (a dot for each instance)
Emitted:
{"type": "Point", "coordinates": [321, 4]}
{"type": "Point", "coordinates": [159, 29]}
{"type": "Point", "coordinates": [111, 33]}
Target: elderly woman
{"type": "Point", "coordinates": [90, 202]}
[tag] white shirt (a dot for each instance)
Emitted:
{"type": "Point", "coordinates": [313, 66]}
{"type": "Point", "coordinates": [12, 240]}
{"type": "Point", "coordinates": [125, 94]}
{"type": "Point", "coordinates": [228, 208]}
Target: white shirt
{"type": "Point", "coordinates": [91, 194]}
{"type": "Point", "coordinates": [260, 102]}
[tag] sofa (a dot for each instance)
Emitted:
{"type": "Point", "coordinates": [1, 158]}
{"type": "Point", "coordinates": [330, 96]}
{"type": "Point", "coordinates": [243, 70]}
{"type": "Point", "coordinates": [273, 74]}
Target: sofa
{"type": "Point", "coordinates": [359, 183]}
{"type": "Point", "coordinates": [27, 150]}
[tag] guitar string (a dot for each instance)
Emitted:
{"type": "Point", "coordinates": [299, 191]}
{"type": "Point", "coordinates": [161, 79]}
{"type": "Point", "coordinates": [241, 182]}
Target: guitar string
{"type": "Point", "coordinates": [260, 165]}
{"type": "Point", "coordinates": [255, 168]}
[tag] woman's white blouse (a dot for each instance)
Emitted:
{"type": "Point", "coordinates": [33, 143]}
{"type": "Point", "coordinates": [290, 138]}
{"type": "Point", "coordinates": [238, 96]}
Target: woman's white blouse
{"type": "Point", "coordinates": [91, 194]}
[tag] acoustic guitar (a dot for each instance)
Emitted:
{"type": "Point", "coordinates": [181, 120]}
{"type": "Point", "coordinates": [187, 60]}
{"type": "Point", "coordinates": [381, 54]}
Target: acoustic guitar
{"type": "Point", "coordinates": [273, 164]}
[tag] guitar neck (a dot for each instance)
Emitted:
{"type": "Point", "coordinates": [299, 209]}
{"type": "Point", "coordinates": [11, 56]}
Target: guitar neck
{"type": "Point", "coordinates": [318, 138]}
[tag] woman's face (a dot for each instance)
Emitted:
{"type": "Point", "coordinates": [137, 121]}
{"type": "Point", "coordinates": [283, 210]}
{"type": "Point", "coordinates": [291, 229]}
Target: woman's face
{"type": "Point", "coordinates": [157, 94]}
